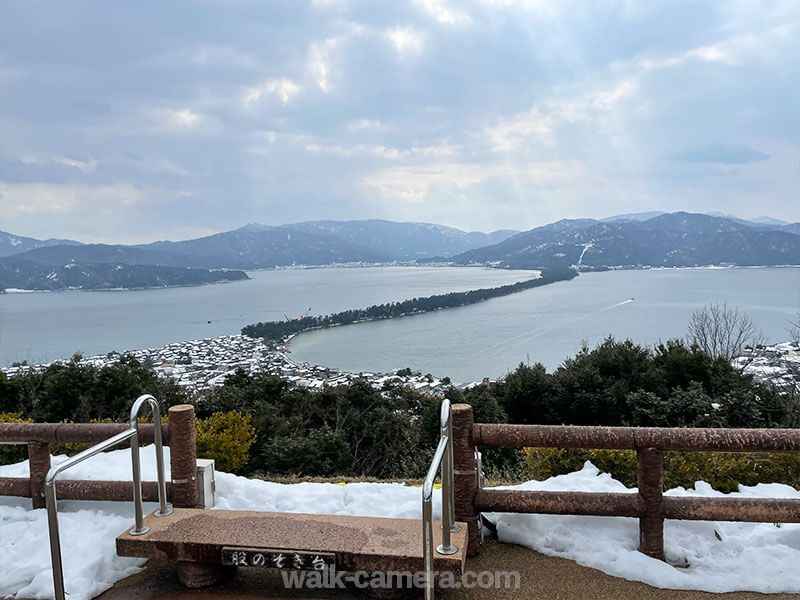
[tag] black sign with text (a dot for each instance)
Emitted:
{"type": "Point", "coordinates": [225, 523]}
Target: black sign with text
{"type": "Point", "coordinates": [298, 560]}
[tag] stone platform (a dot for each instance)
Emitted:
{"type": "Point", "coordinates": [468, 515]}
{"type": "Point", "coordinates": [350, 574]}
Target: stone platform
{"type": "Point", "coordinates": [371, 544]}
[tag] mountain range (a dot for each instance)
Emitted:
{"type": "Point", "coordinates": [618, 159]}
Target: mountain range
{"type": "Point", "coordinates": [20, 273]}
{"type": "Point", "coordinates": [16, 244]}
{"type": "Point", "coordinates": [625, 241]}
{"type": "Point", "coordinates": [667, 240]}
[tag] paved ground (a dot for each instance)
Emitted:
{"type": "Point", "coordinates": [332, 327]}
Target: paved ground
{"type": "Point", "coordinates": [547, 578]}
{"type": "Point", "coordinates": [542, 578]}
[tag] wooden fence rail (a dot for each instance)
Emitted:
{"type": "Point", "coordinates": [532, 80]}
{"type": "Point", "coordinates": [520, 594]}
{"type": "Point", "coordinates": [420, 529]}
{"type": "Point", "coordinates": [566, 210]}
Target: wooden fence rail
{"type": "Point", "coordinates": [649, 504]}
{"type": "Point", "coordinates": [179, 433]}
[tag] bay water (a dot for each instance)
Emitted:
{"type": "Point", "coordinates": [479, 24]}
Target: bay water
{"type": "Point", "coordinates": [550, 323]}
{"type": "Point", "coordinates": [545, 324]}
{"type": "Point", "coordinates": [44, 326]}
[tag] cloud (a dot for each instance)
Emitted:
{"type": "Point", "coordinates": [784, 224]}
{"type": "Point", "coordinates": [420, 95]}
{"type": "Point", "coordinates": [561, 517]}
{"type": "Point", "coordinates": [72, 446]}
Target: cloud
{"type": "Point", "coordinates": [283, 88]}
{"type": "Point", "coordinates": [364, 125]}
{"type": "Point", "coordinates": [320, 61]}
{"type": "Point", "coordinates": [418, 184]}
{"type": "Point", "coordinates": [406, 40]}
{"type": "Point", "coordinates": [183, 118]}
{"type": "Point", "coordinates": [724, 154]}
{"type": "Point", "coordinates": [510, 110]}
{"type": "Point", "coordinates": [329, 3]}
{"type": "Point", "coordinates": [87, 166]}
{"type": "Point", "coordinates": [540, 124]}
{"type": "Point", "coordinates": [45, 199]}
{"type": "Point", "coordinates": [443, 13]}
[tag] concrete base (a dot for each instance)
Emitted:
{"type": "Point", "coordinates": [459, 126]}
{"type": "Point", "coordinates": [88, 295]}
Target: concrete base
{"type": "Point", "coordinates": [195, 538]}
{"type": "Point", "coordinates": [199, 575]}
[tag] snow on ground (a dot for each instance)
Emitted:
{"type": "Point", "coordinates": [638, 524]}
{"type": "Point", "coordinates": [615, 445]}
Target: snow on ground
{"type": "Point", "coordinates": [717, 557]}
{"type": "Point", "coordinates": [714, 556]}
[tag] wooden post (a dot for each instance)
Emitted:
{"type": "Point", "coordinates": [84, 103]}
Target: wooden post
{"type": "Point", "coordinates": [650, 466]}
{"type": "Point", "coordinates": [183, 467]}
{"type": "Point", "coordinates": [465, 475]}
{"type": "Point", "coordinates": [39, 465]}
{"type": "Point", "coordinates": [183, 456]}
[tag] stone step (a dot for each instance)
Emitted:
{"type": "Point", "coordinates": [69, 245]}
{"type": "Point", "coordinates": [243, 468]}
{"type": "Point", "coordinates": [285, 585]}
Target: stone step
{"type": "Point", "coordinates": [358, 543]}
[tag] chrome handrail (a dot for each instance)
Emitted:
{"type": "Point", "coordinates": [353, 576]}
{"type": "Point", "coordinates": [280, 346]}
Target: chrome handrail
{"type": "Point", "coordinates": [50, 487]}
{"type": "Point", "coordinates": [52, 509]}
{"type": "Point", "coordinates": [164, 509]}
{"type": "Point", "coordinates": [442, 458]}
{"type": "Point", "coordinates": [448, 469]}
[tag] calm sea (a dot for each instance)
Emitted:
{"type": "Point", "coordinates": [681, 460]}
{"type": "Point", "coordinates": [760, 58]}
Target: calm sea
{"type": "Point", "coordinates": [550, 323]}
{"type": "Point", "coordinates": [544, 324]}
{"type": "Point", "coordinates": [43, 326]}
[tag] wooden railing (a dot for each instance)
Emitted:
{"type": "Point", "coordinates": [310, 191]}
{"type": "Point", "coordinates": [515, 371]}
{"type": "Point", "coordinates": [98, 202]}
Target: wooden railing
{"type": "Point", "coordinates": [649, 504]}
{"type": "Point", "coordinates": [179, 433]}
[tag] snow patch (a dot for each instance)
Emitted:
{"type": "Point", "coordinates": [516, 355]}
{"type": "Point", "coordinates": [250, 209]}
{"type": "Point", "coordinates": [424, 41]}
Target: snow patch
{"type": "Point", "coordinates": [718, 557]}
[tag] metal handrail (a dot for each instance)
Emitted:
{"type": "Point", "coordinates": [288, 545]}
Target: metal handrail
{"type": "Point", "coordinates": [442, 458]}
{"type": "Point", "coordinates": [164, 509]}
{"type": "Point", "coordinates": [50, 488]}
{"type": "Point", "coordinates": [448, 469]}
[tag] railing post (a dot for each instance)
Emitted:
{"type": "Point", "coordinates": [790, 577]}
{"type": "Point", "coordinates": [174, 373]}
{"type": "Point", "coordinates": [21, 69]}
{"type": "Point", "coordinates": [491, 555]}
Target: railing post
{"type": "Point", "coordinates": [183, 456]}
{"type": "Point", "coordinates": [39, 465]}
{"type": "Point", "coordinates": [465, 474]}
{"type": "Point", "coordinates": [183, 467]}
{"type": "Point", "coordinates": [448, 520]}
{"type": "Point", "coordinates": [447, 472]}
{"type": "Point", "coordinates": [650, 466]}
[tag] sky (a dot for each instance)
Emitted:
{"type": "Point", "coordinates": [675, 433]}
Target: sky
{"type": "Point", "coordinates": [136, 121]}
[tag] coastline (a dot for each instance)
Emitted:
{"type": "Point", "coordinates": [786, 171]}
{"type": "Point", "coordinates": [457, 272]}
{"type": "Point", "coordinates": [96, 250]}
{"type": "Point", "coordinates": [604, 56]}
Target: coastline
{"type": "Point", "coordinates": [357, 265]}
{"type": "Point", "coordinates": [443, 264]}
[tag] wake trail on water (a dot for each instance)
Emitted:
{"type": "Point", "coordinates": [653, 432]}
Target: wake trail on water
{"type": "Point", "coordinates": [540, 330]}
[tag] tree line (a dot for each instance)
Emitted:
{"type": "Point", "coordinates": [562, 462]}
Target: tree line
{"type": "Point", "coordinates": [276, 331]}
{"type": "Point", "coordinates": [356, 430]}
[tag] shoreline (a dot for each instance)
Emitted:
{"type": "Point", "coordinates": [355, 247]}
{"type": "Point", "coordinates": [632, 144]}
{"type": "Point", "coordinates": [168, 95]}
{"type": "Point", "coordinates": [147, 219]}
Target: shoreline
{"type": "Point", "coordinates": [264, 269]}
{"type": "Point", "coordinates": [14, 291]}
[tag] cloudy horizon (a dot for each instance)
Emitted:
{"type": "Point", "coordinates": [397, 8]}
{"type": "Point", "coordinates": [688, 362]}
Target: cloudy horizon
{"type": "Point", "coordinates": [136, 122]}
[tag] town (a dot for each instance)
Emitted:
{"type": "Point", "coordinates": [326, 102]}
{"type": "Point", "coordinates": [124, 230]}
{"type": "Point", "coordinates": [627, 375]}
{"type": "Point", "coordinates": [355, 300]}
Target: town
{"type": "Point", "coordinates": [200, 365]}
{"type": "Point", "coordinates": [203, 364]}
{"type": "Point", "coordinates": [777, 365]}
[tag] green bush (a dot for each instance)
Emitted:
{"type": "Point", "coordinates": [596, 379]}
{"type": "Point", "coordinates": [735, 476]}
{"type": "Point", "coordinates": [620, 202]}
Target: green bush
{"type": "Point", "coordinates": [13, 453]}
{"type": "Point", "coordinates": [724, 471]}
{"type": "Point", "coordinates": [72, 448]}
{"type": "Point", "coordinates": [549, 462]}
{"type": "Point", "coordinates": [226, 437]}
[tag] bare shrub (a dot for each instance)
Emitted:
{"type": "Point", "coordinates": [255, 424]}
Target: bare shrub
{"type": "Point", "coordinates": [722, 331]}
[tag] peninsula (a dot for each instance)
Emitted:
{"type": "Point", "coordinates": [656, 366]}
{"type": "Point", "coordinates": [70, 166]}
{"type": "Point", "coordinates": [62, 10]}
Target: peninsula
{"type": "Point", "coordinates": [274, 332]}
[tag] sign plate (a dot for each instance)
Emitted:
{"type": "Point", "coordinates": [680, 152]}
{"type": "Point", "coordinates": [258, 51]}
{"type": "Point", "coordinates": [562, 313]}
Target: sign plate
{"type": "Point", "coordinates": [298, 560]}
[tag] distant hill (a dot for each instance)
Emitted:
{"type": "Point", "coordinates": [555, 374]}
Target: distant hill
{"type": "Point", "coordinates": [24, 274]}
{"type": "Point", "coordinates": [790, 228]}
{"type": "Point", "coordinates": [769, 221]}
{"type": "Point", "coordinates": [670, 240]}
{"type": "Point", "coordinates": [633, 240]}
{"type": "Point", "coordinates": [643, 216]}
{"type": "Point", "coordinates": [111, 253]}
{"type": "Point", "coordinates": [15, 244]}
{"type": "Point", "coordinates": [256, 247]}
{"type": "Point", "coordinates": [406, 241]}
{"type": "Point", "coordinates": [762, 222]}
